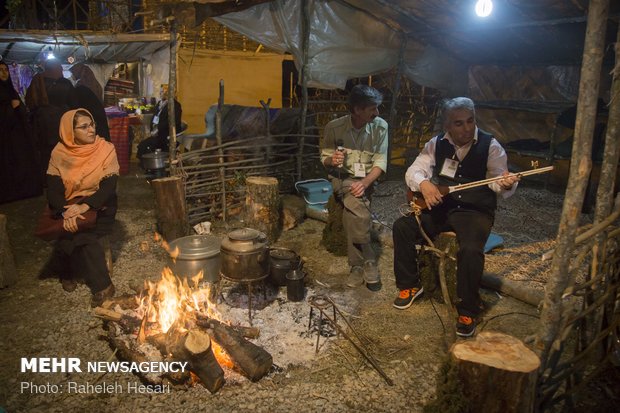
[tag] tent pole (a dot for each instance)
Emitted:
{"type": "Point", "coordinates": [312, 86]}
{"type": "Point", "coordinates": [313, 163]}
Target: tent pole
{"type": "Point", "coordinates": [551, 320]}
{"type": "Point", "coordinates": [172, 91]}
{"type": "Point", "coordinates": [305, 38]}
{"type": "Point", "coordinates": [395, 93]}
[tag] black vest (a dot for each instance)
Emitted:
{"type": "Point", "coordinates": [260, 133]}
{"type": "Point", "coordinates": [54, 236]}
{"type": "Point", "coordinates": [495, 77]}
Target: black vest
{"type": "Point", "coordinates": [472, 168]}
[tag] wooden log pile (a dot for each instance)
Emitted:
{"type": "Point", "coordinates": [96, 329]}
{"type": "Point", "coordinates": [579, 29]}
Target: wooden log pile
{"type": "Point", "coordinates": [192, 341]}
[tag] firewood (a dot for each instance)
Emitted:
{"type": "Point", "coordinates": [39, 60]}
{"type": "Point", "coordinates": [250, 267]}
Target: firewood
{"type": "Point", "coordinates": [247, 332]}
{"type": "Point", "coordinates": [127, 323]}
{"type": "Point", "coordinates": [125, 301]}
{"type": "Point", "coordinates": [498, 373]}
{"type": "Point", "coordinates": [195, 347]}
{"type": "Point", "coordinates": [252, 361]}
{"type": "Point", "coordinates": [125, 352]}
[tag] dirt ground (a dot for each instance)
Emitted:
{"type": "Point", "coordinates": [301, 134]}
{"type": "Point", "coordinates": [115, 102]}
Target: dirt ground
{"type": "Point", "coordinates": [39, 319]}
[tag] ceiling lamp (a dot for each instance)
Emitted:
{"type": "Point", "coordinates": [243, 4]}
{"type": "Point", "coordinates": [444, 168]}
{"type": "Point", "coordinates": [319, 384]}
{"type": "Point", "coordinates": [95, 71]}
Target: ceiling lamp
{"type": "Point", "coordinates": [484, 8]}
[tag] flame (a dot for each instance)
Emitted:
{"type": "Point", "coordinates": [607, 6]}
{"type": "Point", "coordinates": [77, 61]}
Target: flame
{"type": "Point", "coordinates": [174, 300]}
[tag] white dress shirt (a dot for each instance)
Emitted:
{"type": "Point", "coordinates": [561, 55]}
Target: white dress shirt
{"type": "Point", "coordinates": [422, 168]}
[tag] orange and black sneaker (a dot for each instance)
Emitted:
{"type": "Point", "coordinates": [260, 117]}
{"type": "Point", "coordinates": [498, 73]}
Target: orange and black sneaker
{"type": "Point", "coordinates": [465, 326]}
{"type": "Point", "coordinates": [405, 297]}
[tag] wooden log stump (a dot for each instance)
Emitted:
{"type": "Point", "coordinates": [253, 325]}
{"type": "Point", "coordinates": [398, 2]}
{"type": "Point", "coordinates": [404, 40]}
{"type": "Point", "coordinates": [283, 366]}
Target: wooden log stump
{"type": "Point", "coordinates": [498, 373]}
{"type": "Point", "coordinates": [171, 208]}
{"type": "Point", "coordinates": [262, 206]}
{"type": "Point", "coordinates": [520, 291]}
{"type": "Point", "coordinates": [195, 347]}
{"type": "Point", "coordinates": [428, 264]}
{"type": "Point", "coordinates": [293, 211]}
{"type": "Point", "coordinates": [251, 360]}
{"type": "Point", "coordinates": [334, 236]}
{"type": "Point", "coordinates": [8, 272]}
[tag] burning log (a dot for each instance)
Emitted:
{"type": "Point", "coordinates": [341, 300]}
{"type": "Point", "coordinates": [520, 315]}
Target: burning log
{"type": "Point", "coordinates": [195, 347]}
{"type": "Point", "coordinates": [125, 352]}
{"type": "Point", "coordinates": [125, 301]}
{"type": "Point", "coordinates": [251, 360]}
{"type": "Point", "coordinates": [127, 323]}
{"type": "Point", "coordinates": [247, 332]}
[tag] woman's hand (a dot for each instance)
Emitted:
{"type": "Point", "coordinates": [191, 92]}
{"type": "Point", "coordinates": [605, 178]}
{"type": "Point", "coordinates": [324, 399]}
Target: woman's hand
{"type": "Point", "coordinates": [70, 224]}
{"type": "Point", "coordinates": [14, 103]}
{"type": "Point", "coordinates": [75, 210]}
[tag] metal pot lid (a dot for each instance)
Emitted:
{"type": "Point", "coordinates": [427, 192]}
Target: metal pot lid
{"type": "Point", "coordinates": [196, 246]}
{"type": "Point", "coordinates": [244, 234]}
{"type": "Point", "coordinates": [155, 155]}
{"type": "Point", "coordinates": [282, 254]}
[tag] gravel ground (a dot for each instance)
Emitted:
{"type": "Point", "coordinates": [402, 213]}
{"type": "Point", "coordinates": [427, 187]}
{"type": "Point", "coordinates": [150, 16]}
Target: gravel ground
{"type": "Point", "coordinates": [39, 319]}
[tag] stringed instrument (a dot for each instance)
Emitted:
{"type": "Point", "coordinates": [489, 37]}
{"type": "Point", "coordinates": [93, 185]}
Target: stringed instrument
{"type": "Point", "coordinates": [418, 202]}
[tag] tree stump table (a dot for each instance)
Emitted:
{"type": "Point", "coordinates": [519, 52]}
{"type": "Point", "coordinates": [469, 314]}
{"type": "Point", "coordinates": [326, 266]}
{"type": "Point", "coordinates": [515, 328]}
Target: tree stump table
{"type": "Point", "coordinates": [262, 206]}
{"type": "Point", "coordinates": [498, 373]}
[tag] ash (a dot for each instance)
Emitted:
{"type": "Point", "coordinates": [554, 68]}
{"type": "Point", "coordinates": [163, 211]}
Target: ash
{"type": "Point", "coordinates": [283, 324]}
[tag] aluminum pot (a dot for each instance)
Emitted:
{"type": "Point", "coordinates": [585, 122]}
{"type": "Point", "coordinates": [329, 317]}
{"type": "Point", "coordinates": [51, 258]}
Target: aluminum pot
{"type": "Point", "coordinates": [155, 160]}
{"type": "Point", "coordinates": [282, 261]}
{"type": "Point", "coordinates": [245, 255]}
{"type": "Point", "coordinates": [196, 253]}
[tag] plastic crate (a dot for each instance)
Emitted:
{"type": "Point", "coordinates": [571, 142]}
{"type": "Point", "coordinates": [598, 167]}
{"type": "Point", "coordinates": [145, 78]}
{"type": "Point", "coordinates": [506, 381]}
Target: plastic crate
{"type": "Point", "coordinates": [316, 192]}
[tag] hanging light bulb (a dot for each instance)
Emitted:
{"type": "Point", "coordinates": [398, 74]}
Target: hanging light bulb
{"type": "Point", "coordinates": [484, 8]}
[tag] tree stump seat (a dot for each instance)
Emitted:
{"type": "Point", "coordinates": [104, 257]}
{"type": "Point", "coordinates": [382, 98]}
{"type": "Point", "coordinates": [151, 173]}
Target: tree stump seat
{"type": "Point", "coordinates": [429, 263]}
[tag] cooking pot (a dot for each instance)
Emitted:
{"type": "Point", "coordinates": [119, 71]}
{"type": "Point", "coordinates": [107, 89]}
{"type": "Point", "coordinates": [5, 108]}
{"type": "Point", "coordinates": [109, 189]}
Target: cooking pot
{"type": "Point", "coordinates": [282, 260]}
{"type": "Point", "coordinates": [196, 253]}
{"type": "Point", "coordinates": [244, 255]}
{"type": "Point", "coordinates": [154, 160]}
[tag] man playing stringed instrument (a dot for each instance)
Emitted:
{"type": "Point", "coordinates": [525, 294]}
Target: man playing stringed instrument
{"type": "Point", "coordinates": [461, 154]}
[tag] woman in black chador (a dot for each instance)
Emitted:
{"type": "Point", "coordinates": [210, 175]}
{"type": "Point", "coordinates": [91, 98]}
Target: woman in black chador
{"type": "Point", "coordinates": [19, 167]}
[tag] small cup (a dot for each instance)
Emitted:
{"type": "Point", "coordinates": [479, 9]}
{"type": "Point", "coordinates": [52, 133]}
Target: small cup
{"type": "Point", "coordinates": [295, 290]}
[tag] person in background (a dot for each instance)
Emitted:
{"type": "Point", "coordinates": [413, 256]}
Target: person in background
{"type": "Point", "coordinates": [160, 126]}
{"type": "Point", "coordinates": [89, 94]}
{"type": "Point", "coordinates": [48, 97]}
{"type": "Point", "coordinates": [461, 154]}
{"type": "Point", "coordinates": [18, 156]}
{"type": "Point", "coordinates": [354, 151]}
{"type": "Point", "coordinates": [84, 165]}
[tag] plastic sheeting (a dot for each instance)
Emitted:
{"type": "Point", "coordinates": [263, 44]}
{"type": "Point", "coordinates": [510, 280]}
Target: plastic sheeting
{"type": "Point", "coordinates": [344, 42]}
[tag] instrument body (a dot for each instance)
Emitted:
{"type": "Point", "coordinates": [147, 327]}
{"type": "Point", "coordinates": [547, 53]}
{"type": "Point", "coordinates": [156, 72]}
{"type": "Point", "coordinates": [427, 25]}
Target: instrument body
{"type": "Point", "coordinates": [416, 200]}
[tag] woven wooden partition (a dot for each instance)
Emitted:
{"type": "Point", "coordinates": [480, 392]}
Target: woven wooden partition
{"type": "Point", "coordinates": [211, 177]}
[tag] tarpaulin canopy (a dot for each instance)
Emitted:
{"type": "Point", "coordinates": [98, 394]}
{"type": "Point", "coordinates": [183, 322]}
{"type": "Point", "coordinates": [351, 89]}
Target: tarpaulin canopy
{"type": "Point", "coordinates": [352, 38]}
{"type": "Point", "coordinates": [30, 47]}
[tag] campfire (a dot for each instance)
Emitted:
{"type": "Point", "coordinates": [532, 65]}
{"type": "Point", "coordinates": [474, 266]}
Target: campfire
{"type": "Point", "coordinates": [175, 319]}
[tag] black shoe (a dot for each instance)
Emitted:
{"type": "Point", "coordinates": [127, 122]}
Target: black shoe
{"type": "Point", "coordinates": [374, 286]}
{"type": "Point", "coordinates": [465, 326]}
{"type": "Point", "coordinates": [68, 284]}
{"type": "Point", "coordinates": [406, 297]}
